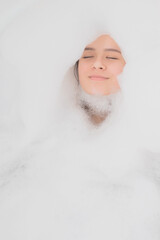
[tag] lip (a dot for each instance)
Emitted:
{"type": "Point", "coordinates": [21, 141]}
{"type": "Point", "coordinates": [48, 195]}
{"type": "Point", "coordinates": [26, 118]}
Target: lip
{"type": "Point", "coordinates": [98, 78]}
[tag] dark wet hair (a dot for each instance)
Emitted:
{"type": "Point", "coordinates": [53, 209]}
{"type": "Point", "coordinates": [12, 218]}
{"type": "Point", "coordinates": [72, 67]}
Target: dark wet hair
{"type": "Point", "coordinates": [76, 71]}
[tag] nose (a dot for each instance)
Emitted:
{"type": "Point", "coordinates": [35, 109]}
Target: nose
{"type": "Point", "coordinates": [98, 64]}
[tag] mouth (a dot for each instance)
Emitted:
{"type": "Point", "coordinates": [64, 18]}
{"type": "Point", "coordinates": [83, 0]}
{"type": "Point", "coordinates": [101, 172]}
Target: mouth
{"type": "Point", "coordinates": [98, 78]}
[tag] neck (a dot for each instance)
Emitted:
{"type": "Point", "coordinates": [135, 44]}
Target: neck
{"type": "Point", "coordinates": [98, 108]}
{"type": "Point", "coordinates": [95, 118]}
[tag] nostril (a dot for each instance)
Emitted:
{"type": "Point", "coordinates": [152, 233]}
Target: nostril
{"type": "Point", "coordinates": [98, 65]}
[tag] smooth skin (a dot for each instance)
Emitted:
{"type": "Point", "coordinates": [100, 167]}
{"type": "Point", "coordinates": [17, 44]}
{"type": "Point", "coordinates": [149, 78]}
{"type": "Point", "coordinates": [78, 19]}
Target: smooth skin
{"type": "Point", "coordinates": [100, 65]}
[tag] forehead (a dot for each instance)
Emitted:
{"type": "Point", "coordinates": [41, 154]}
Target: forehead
{"type": "Point", "coordinates": [103, 42]}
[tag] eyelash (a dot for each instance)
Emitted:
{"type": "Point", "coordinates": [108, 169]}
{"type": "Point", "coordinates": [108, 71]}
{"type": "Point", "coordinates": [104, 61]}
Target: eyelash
{"type": "Point", "coordinates": [112, 58]}
{"type": "Point", "coordinates": [106, 57]}
{"type": "Point", "coordinates": [88, 57]}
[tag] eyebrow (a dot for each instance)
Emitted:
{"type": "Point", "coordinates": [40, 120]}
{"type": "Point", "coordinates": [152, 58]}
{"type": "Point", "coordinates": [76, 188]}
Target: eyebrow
{"type": "Point", "coordinates": [106, 49]}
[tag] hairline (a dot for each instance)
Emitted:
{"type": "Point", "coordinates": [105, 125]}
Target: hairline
{"type": "Point", "coordinates": [105, 49]}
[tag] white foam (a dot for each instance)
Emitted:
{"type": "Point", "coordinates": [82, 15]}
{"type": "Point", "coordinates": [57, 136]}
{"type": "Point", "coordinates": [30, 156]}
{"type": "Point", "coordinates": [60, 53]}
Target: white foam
{"type": "Point", "coordinates": [61, 177]}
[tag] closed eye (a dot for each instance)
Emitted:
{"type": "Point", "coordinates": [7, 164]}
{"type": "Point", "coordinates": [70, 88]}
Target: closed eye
{"type": "Point", "coordinates": [88, 57]}
{"type": "Point", "coordinates": [112, 58]}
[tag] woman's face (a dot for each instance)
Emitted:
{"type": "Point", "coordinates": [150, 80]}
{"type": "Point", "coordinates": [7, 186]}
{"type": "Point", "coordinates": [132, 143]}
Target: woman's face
{"type": "Point", "coordinates": [100, 65]}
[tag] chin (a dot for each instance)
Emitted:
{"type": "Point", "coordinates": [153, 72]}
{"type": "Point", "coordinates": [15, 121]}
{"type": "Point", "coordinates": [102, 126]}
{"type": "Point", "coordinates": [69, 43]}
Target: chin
{"type": "Point", "coordinates": [101, 93]}
{"type": "Point", "coordinates": [94, 92]}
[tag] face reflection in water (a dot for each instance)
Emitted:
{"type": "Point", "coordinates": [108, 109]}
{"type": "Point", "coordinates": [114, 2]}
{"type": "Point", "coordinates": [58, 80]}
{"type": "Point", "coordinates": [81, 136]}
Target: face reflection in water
{"type": "Point", "coordinates": [99, 67]}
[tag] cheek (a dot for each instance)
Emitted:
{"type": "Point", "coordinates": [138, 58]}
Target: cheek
{"type": "Point", "coordinates": [116, 69]}
{"type": "Point", "coordinates": [83, 68]}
